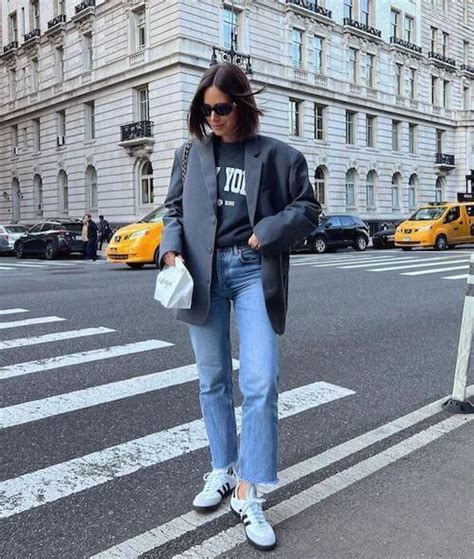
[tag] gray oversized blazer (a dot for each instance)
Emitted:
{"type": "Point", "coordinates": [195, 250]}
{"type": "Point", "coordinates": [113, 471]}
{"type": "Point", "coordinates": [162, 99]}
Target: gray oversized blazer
{"type": "Point", "coordinates": [281, 205]}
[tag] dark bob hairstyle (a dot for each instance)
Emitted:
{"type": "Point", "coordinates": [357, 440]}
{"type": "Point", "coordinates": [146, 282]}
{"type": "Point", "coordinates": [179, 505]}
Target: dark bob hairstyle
{"type": "Point", "coordinates": [232, 81]}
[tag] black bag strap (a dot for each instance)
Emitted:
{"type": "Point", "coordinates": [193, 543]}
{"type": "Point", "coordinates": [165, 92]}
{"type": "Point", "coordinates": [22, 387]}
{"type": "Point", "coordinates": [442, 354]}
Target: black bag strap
{"type": "Point", "coordinates": [184, 165]}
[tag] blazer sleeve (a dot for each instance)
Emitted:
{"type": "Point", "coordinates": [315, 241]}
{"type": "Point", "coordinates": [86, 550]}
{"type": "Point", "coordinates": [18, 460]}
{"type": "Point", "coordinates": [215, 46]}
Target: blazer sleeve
{"type": "Point", "coordinates": [277, 233]}
{"type": "Point", "coordinates": [172, 236]}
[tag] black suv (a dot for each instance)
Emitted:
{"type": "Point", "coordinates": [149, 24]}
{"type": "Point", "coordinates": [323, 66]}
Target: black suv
{"type": "Point", "coordinates": [51, 237]}
{"type": "Point", "coordinates": [336, 231]}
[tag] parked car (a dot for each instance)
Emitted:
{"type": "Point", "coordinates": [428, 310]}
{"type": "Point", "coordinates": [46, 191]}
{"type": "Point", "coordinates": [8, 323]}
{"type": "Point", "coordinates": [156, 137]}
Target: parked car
{"type": "Point", "coordinates": [138, 244]}
{"type": "Point", "coordinates": [10, 233]}
{"type": "Point", "coordinates": [336, 231]}
{"type": "Point", "coordinates": [50, 238]}
{"type": "Point", "coordinates": [385, 238]}
{"type": "Point", "coordinates": [440, 225]}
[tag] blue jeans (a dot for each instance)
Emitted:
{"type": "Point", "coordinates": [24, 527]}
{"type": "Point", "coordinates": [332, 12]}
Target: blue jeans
{"type": "Point", "coordinates": [237, 279]}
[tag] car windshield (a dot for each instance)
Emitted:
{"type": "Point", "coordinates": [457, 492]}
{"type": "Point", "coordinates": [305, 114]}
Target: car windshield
{"type": "Point", "coordinates": [428, 214]}
{"type": "Point", "coordinates": [155, 216]}
{"type": "Point", "coordinates": [15, 229]}
{"type": "Point", "coordinates": [73, 227]}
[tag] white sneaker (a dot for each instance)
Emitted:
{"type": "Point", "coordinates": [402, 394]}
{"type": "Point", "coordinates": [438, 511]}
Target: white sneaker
{"type": "Point", "coordinates": [257, 529]}
{"type": "Point", "coordinates": [219, 484]}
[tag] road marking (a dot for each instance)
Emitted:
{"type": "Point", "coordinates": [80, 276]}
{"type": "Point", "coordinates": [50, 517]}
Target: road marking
{"type": "Point", "coordinates": [373, 260]}
{"type": "Point", "coordinates": [460, 276]}
{"type": "Point", "coordinates": [29, 367]}
{"type": "Point", "coordinates": [319, 260]}
{"type": "Point", "coordinates": [70, 334]}
{"type": "Point", "coordinates": [12, 311]}
{"type": "Point", "coordinates": [423, 272]}
{"type": "Point", "coordinates": [418, 262]}
{"type": "Point", "coordinates": [96, 395]}
{"type": "Point", "coordinates": [30, 322]}
{"type": "Point", "coordinates": [228, 539]}
{"type": "Point", "coordinates": [419, 265]}
{"type": "Point", "coordinates": [5, 268]}
{"type": "Point", "coordinates": [16, 265]}
{"type": "Point", "coordinates": [177, 527]}
{"type": "Point", "coordinates": [55, 482]}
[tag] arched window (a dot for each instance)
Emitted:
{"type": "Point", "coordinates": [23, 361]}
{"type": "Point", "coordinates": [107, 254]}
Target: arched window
{"type": "Point", "coordinates": [439, 189]}
{"type": "Point", "coordinates": [16, 201]}
{"type": "Point", "coordinates": [396, 179]}
{"type": "Point", "coordinates": [38, 195]}
{"type": "Point", "coordinates": [147, 183]}
{"type": "Point", "coordinates": [63, 192]}
{"type": "Point", "coordinates": [370, 189]}
{"type": "Point", "coordinates": [350, 188]}
{"type": "Point", "coordinates": [91, 183]}
{"type": "Point", "coordinates": [319, 186]}
{"type": "Point", "coordinates": [412, 188]}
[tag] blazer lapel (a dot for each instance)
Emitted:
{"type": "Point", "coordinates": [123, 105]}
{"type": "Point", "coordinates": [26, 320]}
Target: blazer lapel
{"type": "Point", "coordinates": [253, 171]}
{"type": "Point", "coordinates": [208, 164]}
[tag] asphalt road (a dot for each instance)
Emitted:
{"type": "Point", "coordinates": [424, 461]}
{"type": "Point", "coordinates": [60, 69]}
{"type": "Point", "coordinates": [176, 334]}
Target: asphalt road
{"type": "Point", "coordinates": [101, 465]}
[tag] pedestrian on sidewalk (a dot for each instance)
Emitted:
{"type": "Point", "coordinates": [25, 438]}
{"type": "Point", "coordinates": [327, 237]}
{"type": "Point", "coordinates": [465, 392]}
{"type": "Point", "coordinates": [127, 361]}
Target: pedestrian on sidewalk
{"type": "Point", "coordinates": [84, 237]}
{"type": "Point", "coordinates": [245, 200]}
{"type": "Point", "coordinates": [104, 231]}
{"type": "Point", "coordinates": [91, 238]}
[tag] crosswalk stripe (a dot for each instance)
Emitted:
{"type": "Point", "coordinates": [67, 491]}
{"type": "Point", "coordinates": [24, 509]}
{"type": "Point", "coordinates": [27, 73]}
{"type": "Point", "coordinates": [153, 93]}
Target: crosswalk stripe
{"type": "Point", "coordinates": [16, 265]}
{"type": "Point", "coordinates": [55, 482]}
{"type": "Point", "coordinates": [437, 271]}
{"type": "Point", "coordinates": [58, 336]}
{"type": "Point", "coordinates": [30, 322]}
{"type": "Point", "coordinates": [29, 367]}
{"type": "Point", "coordinates": [417, 262]}
{"type": "Point", "coordinates": [459, 276]}
{"type": "Point", "coordinates": [222, 542]}
{"type": "Point", "coordinates": [421, 265]}
{"type": "Point", "coordinates": [96, 395]}
{"type": "Point", "coordinates": [371, 260]}
{"type": "Point", "coordinates": [5, 268]}
{"type": "Point", "coordinates": [177, 527]}
{"type": "Point", "coordinates": [12, 311]}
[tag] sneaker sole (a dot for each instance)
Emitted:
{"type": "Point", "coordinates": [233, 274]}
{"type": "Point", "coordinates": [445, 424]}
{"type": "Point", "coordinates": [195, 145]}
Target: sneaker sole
{"type": "Point", "coordinates": [251, 542]}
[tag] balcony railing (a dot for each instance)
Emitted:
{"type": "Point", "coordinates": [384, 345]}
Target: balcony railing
{"type": "Point", "coordinates": [445, 159]}
{"type": "Point", "coordinates": [31, 35]}
{"type": "Point", "coordinates": [140, 129]}
{"type": "Point", "coordinates": [11, 46]}
{"type": "Point", "coordinates": [442, 58]}
{"type": "Point", "coordinates": [405, 44]}
{"type": "Point", "coordinates": [311, 6]}
{"type": "Point", "coordinates": [362, 27]}
{"type": "Point", "coordinates": [84, 5]}
{"type": "Point", "coordinates": [467, 68]}
{"type": "Point", "coordinates": [61, 18]}
{"type": "Point", "coordinates": [230, 55]}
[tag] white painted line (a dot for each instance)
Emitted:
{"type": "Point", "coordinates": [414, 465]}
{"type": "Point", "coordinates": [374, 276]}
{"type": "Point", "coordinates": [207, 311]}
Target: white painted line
{"type": "Point", "coordinates": [189, 521]}
{"type": "Point", "coordinates": [374, 261]}
{"type": "Point", "coordinates": [55, 482]}
{"type": "Point", "coordinates": [58, 336]}
{"type": "Point", "coordinates": [226, 540]}
{"type": "Point", "coordinates": [96, 395]}
{"type": "Point", "coordinates": [30, 322]}
{"type": "Point", "coordinates": [12, 311]}
{"type": "Point", "coordinates": [419, 265]}
{"type": "Point", "coordinates": [418, 262]}
{"type": "Point", "coordinates": [5, 268]}
{"type": "Point", "coordinates": [437, 271]}
{"type": "Point", "coordinates": [29, 367]}
{"type": "Point", "coordinates": [16, 265]}
{"type": "Point", "coordinates": [460, 276]}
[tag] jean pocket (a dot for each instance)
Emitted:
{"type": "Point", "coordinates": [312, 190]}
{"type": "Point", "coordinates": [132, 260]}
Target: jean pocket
{"type": "Point", "coordinates": [249, 255]}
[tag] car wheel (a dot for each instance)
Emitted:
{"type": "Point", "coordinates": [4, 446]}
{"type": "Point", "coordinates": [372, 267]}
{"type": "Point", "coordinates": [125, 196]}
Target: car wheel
{"type": "Point", "coordinates": [406, 248]}
{"type": "Point", "coordinates": [156, 257]}
{"type": "Point", "coordinates": [135, 265]}
{"type": "Point", "coordinates": [20, 251]}
{"type": "Point", "coordinates": [49, 252]}
{"type": "Point", "coordinates": [319, 245]}
{"type": "Point", "coordinates": [441, 243]}
{"type": "Point", "coordinates": [360, 243]}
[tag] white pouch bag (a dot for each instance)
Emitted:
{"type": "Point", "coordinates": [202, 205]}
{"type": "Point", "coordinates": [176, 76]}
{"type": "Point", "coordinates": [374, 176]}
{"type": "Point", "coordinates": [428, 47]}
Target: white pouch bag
{"type": "Point", "coordinates": [174, 286]}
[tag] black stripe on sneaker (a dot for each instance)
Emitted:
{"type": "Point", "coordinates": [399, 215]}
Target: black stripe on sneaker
{"type": "Point", "coordinates": [221, 493]}
{"type": "Point", "coordinates": [228, 486]}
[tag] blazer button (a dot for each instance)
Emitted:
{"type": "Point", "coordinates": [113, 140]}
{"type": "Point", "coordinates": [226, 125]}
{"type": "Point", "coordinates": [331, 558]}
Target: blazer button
{"type": "Point", "coordinates": [209, 250]}
{"type": "Point", "coordinates": [208, 281]}
{"type": "Point", "coordinates": [213, 220]}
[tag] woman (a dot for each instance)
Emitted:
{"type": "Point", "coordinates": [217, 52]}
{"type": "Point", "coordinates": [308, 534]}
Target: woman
{"type": "Point", "coordinates": [245, 200]}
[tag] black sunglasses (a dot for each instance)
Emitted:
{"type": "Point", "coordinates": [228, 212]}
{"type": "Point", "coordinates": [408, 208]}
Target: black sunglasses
{"type": "Point", "coordinates": [221, 109]}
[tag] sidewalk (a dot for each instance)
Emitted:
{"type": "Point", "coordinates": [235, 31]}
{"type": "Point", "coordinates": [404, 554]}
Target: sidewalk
{"type": "Point", "coordinates": [421, 506]}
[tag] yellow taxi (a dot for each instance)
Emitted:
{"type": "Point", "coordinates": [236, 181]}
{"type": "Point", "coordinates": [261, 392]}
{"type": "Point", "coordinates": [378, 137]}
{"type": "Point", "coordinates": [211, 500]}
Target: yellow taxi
{"type": "Point", "coordinates": [440, 225]}
{"type": "Point", "coordinates": [138, 244]}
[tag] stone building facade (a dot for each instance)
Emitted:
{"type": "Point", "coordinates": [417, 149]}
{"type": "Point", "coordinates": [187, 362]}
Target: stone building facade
{"type": "Point", "coordinates": [93, 98]}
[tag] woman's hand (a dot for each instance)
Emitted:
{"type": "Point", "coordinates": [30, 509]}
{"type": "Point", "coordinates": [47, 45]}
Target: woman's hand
{"type": "Point", "coordinates": [169, 258]}
{"type": "Point", "coordinates": [253, 242]}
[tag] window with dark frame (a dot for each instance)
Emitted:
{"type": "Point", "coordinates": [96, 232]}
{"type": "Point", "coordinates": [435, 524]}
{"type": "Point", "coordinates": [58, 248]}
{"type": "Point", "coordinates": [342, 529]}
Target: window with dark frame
{"type": "Point", "coordinates": [294, 117]}
{"type": "Point", "coordinates": [319, 121]}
